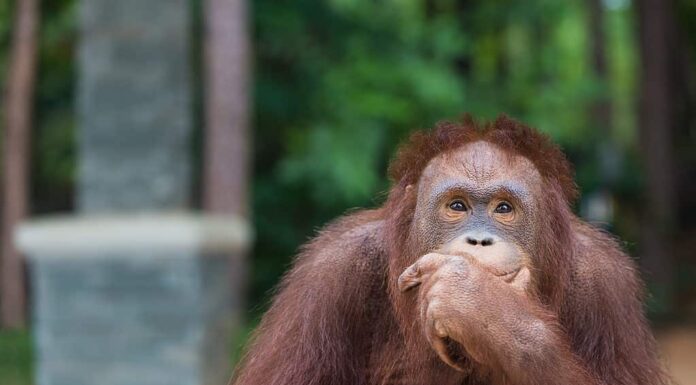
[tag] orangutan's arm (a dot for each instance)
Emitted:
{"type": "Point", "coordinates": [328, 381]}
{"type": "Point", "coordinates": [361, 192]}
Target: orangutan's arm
{"type": "Point", "coordinates": [315, 331]}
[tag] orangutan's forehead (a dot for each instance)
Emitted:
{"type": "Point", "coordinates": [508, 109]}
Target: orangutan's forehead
{"type": "Point", "coordinates": [481, 162]}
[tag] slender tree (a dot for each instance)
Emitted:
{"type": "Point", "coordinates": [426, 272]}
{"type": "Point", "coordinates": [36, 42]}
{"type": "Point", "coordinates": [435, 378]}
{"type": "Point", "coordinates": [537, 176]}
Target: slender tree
{"type": "Point", "coordinates": [602, 108]}
{"type": "Point", "coordinates": [227, 137]}
{"type": "Point", "coordinates": [227, 80]}
{"type": "Point", "coordinates": [601, 114]}
{"type": "Point", "coordinates": [18, 121]}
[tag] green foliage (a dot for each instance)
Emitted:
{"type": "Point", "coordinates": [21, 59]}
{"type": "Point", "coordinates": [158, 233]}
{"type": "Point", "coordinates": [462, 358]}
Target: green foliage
{"type": "Point", "coordinates": [340, 83]}
{"type": "Point", "coordinates": [54, 145]}
{"type": "Point", "coordinates": [15, 358]}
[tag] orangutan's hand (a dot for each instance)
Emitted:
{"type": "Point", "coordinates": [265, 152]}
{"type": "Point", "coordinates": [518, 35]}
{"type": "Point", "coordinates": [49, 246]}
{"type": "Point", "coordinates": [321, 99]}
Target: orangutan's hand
{"type": "Point", "coordinates": [463, 301]}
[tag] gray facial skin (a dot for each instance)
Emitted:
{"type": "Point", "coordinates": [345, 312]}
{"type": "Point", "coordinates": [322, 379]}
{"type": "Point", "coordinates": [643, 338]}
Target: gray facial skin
{"type": "Point", "coordinates": [481, 177]}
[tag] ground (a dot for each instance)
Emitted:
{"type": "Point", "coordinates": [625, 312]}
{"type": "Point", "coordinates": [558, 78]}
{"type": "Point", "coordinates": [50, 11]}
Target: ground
{"type": "Point", "coordinates": [678, 347]}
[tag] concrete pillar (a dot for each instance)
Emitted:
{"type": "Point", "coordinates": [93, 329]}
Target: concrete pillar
{"type": "Point", "coordinates": [134, 289]}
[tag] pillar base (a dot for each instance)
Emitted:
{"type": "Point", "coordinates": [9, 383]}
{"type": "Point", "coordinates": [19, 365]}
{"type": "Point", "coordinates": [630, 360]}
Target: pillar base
{"type": "Point", "coordinates": [139, 299]}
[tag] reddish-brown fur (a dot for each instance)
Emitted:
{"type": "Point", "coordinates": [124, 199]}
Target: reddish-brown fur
{"type": "Point", "coordinates": [339, 318]}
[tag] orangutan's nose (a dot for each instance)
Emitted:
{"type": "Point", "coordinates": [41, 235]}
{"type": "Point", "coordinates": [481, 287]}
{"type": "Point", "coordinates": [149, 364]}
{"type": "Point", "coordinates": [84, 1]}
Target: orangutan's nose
{"type": "Point", "coordinates": [483, 239]}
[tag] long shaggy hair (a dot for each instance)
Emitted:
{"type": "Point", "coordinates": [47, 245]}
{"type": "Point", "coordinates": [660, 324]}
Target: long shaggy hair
{"type": "Point", "coordinates": [338, 317]}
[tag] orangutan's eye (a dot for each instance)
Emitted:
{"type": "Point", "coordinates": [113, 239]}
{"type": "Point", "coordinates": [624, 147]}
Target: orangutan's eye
{"type": "Point", "coordinates": [457, 206]}
{"type": "Point", "coordinates": [503, 208]}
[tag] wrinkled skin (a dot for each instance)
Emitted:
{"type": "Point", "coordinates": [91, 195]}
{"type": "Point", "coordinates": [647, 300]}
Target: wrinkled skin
{"type": "Point", "coordinates": [475, 272]}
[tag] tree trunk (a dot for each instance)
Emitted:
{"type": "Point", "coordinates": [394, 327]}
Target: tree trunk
{"type": "Point", "coordinates": [601, 110]}
{"type": "Point", "coordinates": [658, 88]}
{"type": "Point", "coordinates": [227, 82]}
{"type": "Point", "coordinates": [18, 121]}
{"type": "Point", "coordinates": [227, 138]}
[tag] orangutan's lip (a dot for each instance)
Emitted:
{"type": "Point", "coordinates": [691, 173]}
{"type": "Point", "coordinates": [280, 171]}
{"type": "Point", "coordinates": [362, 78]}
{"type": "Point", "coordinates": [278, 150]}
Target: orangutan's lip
{"type": "Point", "coordinates": [510, 275]}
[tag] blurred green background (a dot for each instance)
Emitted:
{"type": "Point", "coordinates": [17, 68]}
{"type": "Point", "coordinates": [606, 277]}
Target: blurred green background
{"type": "Point", "coordinates": [339, 83]}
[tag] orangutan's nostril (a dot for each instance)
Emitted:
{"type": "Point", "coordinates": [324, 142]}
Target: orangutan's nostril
{"type": "Point", "coordinates": [487, 242]}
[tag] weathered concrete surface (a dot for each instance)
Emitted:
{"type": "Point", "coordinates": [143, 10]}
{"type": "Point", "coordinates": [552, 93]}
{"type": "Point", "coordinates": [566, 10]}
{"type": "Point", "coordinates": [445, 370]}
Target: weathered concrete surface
{"type": "Point", "coordinates": [134, 105]}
